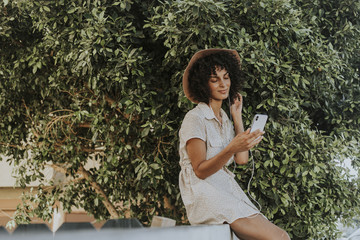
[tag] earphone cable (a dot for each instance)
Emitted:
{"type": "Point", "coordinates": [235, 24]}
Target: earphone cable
{"type": "Point", "coordinates": [252, 172]}
{"type": "Point", "coordinates": [248, 187]}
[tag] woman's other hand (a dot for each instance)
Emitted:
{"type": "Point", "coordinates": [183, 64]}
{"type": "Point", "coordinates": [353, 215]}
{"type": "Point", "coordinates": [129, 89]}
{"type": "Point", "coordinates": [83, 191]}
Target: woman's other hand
{"type": "Point", "coordinates": [245, 141]}
{"type": "Point", "coordinates": [236, 108]}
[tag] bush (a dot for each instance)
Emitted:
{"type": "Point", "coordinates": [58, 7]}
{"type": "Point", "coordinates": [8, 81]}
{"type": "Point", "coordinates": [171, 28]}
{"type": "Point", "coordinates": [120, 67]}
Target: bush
{"type": "Point", "coordinates": [102, 80]}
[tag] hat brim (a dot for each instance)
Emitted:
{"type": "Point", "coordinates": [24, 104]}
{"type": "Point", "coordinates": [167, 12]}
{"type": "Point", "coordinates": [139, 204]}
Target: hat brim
{"type": "Point", "coordinates": [195, 57]}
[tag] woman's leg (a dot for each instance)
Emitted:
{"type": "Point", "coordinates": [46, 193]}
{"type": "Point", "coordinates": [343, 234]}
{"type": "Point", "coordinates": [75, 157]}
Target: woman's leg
{"type": "Point", "coordinates": [257, 227]}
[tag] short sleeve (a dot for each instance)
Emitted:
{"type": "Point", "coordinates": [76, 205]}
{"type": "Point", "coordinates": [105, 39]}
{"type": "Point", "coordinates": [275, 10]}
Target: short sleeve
{"type": "Point", "coordinates": [192, 127]}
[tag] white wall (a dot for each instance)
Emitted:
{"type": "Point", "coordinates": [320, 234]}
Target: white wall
{"type": "Point", "coordinates": [7, 174]}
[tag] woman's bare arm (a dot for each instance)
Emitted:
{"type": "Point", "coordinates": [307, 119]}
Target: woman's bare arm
{"type": "Point", "coordinates": [196, 149]}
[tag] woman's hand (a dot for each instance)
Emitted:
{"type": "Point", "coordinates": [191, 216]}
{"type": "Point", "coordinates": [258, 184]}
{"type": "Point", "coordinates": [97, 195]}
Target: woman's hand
{"type": "Point", "coordinates": [236, 108]}
{"type": "Point", "coordinates": [245, 141]}
{"type": "Point", "coordinates": [236, 113]}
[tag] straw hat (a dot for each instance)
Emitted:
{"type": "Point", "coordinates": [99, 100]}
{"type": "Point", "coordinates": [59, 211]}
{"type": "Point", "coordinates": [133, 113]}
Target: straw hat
{"type": "Point", "coordinates": [198, 55]}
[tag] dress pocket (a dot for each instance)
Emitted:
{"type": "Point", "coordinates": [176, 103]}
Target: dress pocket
{"type": "Point", "coordinates": [214, 147]}
{"type": "Point", "coordinates": [215, 142]}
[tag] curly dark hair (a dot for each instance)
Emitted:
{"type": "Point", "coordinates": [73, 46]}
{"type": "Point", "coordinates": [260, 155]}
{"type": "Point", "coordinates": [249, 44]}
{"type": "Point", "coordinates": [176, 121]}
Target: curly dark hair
{"type": "Point", "coordinates": [199, 75]}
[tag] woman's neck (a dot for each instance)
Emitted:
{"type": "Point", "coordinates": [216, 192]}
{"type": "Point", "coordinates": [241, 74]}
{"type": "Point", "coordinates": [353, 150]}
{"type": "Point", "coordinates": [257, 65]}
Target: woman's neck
{"type": "Point", "coordinates": [216, 107]}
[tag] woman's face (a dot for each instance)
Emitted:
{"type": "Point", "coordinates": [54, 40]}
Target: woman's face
{"type": "Point", "coordinates": [219, 84]}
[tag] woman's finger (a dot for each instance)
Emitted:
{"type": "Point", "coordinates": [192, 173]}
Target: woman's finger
{"type": "Point", "coordinates": [256, 142]}
{"type": "Point", "coordinates": [238, 95]}
{"type": "Point", "coordinates": [256, 134]}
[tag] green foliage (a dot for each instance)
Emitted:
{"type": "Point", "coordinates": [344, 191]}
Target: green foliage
{"type": "Point", "coordinates": [101, 80]}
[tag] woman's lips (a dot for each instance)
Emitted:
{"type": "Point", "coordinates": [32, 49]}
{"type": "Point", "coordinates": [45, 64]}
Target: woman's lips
{"type": "Point", "coordinates": [223, 91]}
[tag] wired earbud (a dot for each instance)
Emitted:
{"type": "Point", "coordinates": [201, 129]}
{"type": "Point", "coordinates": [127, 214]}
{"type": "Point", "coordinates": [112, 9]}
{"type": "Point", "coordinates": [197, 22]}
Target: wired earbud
{"type": "Point", "coordinates": [252, 171]}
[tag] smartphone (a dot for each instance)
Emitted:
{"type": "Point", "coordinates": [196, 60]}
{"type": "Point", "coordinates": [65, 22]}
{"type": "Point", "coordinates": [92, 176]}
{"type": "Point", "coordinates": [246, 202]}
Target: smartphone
{"type": "Point", "coordinates": [259, 122]}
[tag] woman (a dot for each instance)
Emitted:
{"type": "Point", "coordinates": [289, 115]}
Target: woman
{"type": "Point", "coordinates": [208, 143]}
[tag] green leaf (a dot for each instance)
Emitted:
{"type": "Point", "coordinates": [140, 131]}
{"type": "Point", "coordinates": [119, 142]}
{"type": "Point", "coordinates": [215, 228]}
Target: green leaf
{"type": "Point", "coordinates": [72, 10]}
{"type": "Point", "coordinates": [276, 163]}
{"type": "Point", "coordinates": [46, 8]}
{"type": "Point", "coordinates": [154, 166]}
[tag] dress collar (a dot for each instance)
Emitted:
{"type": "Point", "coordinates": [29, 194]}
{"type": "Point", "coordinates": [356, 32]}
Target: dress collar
{"type": "Point", "coordinates": [209, 113]}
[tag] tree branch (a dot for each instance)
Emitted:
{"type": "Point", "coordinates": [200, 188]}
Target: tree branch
{"type": "Point", "coordinates": [109, 206]}
{"type": "Point", "coordinates": [13, 146]}
{"type": "Point", "coordinates": [111, 101]}
{"type": "Point", "coordinates": [58, 168]}
{"type": "Point", "coordinates": [98, 189]}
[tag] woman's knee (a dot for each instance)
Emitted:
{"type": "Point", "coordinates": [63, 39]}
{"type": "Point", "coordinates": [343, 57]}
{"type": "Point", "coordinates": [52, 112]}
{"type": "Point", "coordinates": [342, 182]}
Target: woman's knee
{"type": "Point", "coordinates": [258, 228]}
{"type": "Point", "coordinates": [283, 235]}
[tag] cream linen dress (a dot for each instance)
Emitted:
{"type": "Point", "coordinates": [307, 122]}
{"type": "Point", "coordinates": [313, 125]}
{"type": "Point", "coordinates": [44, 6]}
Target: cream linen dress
{"type": "Point", "coordinates": [218, 198]}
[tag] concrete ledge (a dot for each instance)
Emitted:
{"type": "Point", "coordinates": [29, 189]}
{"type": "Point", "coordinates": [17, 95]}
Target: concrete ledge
{"type": "Point", "coordinates": [203, 232]}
